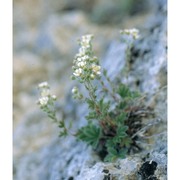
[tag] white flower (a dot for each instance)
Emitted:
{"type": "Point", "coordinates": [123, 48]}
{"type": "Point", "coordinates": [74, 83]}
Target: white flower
{"type": "Point", "coordinates": [81, 64]}
{"type": "Point", "coordinates": [96, 68]}
{"type": "Point", "coordinates": [43, 85]}
{"type": "Point", "coordinates": [79, 59]}
{"type": "Point", "coordinates": [84, 58]}
{"type": "Point", "coordinates": [134, 32]}
{"type": "Point", "coordinates": [87, 37]}
{"type": "Point", "coordinates": [85, 63]}
{"type": "Point", "coordinates": [98, 72]}
{"type": "Point", "coordinates": [86, 41]}
{"type": "Point", "coordinates": [78, 72]}
{"type": "Point", "coordinates": [85, 44]}
{"type": "Point", "coordinates": [43, 101]}
{"type": "Point", "coordinates": [45, 92]}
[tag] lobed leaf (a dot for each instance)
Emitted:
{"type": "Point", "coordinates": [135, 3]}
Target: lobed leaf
{"type": "Point", "coordinates": [89, 134]}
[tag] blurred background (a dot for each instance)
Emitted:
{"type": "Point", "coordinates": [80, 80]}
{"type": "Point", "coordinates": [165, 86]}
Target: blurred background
{"type": "Point", "coordinates": [45, 39]}
{"type": "Point", "coordinates": [45, 42]}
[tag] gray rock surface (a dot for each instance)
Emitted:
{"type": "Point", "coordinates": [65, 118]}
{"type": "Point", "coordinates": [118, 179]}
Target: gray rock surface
{"type": "Point", "coordinates": [38, 152]}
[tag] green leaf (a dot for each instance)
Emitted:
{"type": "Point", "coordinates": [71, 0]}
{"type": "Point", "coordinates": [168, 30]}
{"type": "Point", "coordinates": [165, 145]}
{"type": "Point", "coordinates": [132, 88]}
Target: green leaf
{"type": "Point", "coordinates": [101, 103]}
{"type": "Point", "coordinates": [91, 115]}
{"type": "Point", "coordinates": [122, 153]}
{"type": "Point", "coordinates": [61, 124]}
{"type": "Point", "coordinates": [90, 103]}
{"type": "Point", "coordinates": [135, 94]}
{"type": "Point", "coordinates": [111, 150]}
{"type": "Point", "coordinates": [63, 133]}
{"type": "Point", "coordinates": [121, 131]}
{"type": "Point", "coordinates": [122, 105]}
{"type": "Point", "coordinates": [110, 158]}
{"type": "Point", "coordinates": [104, 72]}
{"type": "Point", "coordinates": [124, 91]}
{"type": "Point", "coordinates": [114, 152]}
{"type": "Point", "coordinates": [89, 134]}
{"type": "Point", "coordinates": [104, 106]}
{"type": "Point", "coordinates": [121, 118]}
{"type": "Point", "coordinates": [126, 142]}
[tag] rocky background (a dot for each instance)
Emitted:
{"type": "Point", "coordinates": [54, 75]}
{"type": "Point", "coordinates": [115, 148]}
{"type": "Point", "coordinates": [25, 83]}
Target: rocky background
{"type": "Point", "coordinates": [45, 35]}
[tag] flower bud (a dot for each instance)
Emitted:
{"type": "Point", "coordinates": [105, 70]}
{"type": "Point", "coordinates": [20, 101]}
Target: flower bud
{"type": "Point", "coordinates": [74, 90]}
{"type": "Point", "coordinates": [92, 76]}
{"type": "Point", "coordinates": [80, 96]}
{"type": "Point", "coordinates": [54, 97]}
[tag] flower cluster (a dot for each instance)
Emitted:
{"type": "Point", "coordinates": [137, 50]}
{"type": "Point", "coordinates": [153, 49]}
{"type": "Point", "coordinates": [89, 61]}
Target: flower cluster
{"type": "Point", "coordinates": [46, 103]}
{"type": "Point", "coordinates": [46, 98]}
{"type": "Point", "coordinates": [85, 65]}
{"type": "Point", "coordinates": [134, 32]}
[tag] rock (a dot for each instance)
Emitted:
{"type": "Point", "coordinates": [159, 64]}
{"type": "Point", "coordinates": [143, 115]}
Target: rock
{"type": "Point", "coordinates": [119, 170]}
{"type": "Point", "coordinates": [113, 12]}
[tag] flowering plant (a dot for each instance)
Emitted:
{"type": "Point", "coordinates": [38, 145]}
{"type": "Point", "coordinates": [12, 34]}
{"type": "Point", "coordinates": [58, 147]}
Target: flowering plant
{"type": "Point", "coordinates": [112, 121]}
{"type": "Point", "coordinates": [46, 103]}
